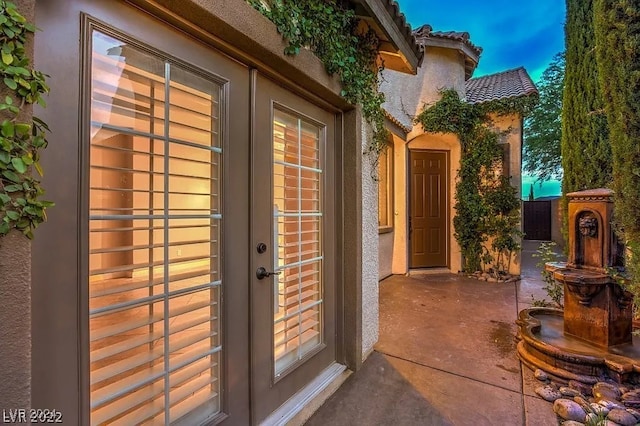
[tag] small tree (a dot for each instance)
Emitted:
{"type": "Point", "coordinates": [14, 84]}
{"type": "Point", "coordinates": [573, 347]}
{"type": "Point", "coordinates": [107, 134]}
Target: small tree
{"type": "Point", "coordinates": [541, 152]}
{"type": "Point", "coordinates": [502, 224]}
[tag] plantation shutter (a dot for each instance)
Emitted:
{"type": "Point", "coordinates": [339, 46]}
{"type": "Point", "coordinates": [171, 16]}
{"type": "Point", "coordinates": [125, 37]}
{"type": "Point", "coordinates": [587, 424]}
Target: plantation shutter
{"type": "Point", "coordinates": [154, 221]}
{"type": "Point", "coordinates": [297, 189]}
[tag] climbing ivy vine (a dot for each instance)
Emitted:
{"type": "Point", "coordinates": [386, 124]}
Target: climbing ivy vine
{"type": "Point", "coordinates": [487, 206]}
{"type": "Point", "coordinates": [20, 140]}
{"type": "Point", "coordinates": [344, 45]}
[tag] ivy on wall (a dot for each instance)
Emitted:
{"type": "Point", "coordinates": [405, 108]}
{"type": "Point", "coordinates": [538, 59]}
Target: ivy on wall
{"type": "Point", "coordinates": [487, 206]}
{"type": "Point", "coordinates": [345, 46]}
{"type": "Point", "coordinates": [20, 140]}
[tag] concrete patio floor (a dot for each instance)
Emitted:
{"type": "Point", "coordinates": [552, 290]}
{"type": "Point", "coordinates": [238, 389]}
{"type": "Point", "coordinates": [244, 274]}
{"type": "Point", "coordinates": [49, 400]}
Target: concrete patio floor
{"type": "Point", "coordinates": [446, 356]}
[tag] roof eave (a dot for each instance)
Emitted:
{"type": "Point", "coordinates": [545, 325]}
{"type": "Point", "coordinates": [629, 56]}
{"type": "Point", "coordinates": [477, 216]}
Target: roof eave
{"type": "Point", "coordinates": [398, 47]}
{"type": "Point", "coordinates": [471, 57]}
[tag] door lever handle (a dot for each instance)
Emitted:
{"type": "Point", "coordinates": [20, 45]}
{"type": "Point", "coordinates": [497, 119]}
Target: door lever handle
{"type": "Point", "coordinates": [262, 273]}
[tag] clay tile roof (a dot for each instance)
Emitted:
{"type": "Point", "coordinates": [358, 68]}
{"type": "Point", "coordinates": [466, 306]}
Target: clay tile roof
{"type": "Point", "coordinates": [393, 30]}
{"type": "Point", "coordinates": [503, 85]}
{"type": "Point", "coordinates": [426, 31]}
{"type": "Point", "coordinates": [395, 121]}
{"type": "Point", "coordinates": [393, 8]}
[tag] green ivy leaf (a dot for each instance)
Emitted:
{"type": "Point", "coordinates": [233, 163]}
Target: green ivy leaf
{"type": "Point", "coordinates": [13, 188]}
{"type": "Point", "coordinates": [38, 168]}
{"type": "Point", "coordinates": [24, 83]}
{"type": "Point", "coordinates": [4, 228]}
{"type": "Point", "coordinates": [7, 129]}
{"type": "Point", "coordinates": [22, 128]}
{"type": "Point", "coordinates": [11, 176]}
{"type": "Point", "coordinates": [26, 159]}
{"type": "Point", "coordinates": [19, 165]}
{"type": "Point", "coordinates": [4, 199]}
{"type": "Point", "coordinates": [10, 83]}
{"type": "Point", "coordinates": [7, 58]}
{"type": "Point", "coordinates": [12, 214]}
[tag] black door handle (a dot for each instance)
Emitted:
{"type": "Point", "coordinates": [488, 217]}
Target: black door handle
{"type": "Point", "coordinates": [262, 273]}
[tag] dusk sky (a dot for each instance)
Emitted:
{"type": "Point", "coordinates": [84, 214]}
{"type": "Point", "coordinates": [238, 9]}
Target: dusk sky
{"type": "Point", "coordinates": [512, 33]}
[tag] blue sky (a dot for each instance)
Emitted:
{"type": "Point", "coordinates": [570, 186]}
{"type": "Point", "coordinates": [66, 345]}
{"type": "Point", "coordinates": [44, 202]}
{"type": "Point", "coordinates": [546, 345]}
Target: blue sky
{"type": "Point", "coordinates": [512, 33]}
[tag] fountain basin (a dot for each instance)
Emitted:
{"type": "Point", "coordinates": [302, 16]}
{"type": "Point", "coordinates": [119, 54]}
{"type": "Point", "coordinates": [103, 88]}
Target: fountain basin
{"type": "Point", "coordinates": [544, 344]}
{"type": "Point", "coordinates": [592, 338]}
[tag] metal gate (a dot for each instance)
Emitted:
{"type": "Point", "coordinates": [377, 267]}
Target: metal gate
{"type": "Point", "coordinates": [537, 220]}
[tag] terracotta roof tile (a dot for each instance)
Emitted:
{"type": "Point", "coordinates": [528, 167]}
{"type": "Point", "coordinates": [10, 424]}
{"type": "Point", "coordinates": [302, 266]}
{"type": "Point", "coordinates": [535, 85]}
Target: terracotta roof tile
{"type": "Point", "coordinates": [396, 121]}
{"type": "Point", "coordinates": [507, 84]}
{"type": "Point", "coordinates": [426, 31]}
{"type": "Point", "coordinates": [399, 18]}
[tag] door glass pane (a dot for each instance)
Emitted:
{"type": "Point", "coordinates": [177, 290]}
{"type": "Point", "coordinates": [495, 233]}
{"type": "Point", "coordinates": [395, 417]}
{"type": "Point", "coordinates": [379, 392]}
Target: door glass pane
{"type": "Point", "coordinates": [297, 213]}
{"type": "Point", "coordinates": [155, 217]}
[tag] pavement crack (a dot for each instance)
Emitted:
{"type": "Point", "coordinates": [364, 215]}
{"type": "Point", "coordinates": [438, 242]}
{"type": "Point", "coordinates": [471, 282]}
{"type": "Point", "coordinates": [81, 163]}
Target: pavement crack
{"type": "Point", "coordinates": [450, 372]}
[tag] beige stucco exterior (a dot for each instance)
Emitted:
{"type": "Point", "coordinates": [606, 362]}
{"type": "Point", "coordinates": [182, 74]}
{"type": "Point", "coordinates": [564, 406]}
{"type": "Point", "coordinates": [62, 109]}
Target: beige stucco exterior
{"type": "Point", "coordinates": [511, 127]}
{"type": "Point", "coordinates": [46, 364]}
{"type": "Point", "coordinates": [369, 251]}
{"type": "Point", "coordinates": [450, 144]}
{"type": "Point", "coordinates": [406, 95]}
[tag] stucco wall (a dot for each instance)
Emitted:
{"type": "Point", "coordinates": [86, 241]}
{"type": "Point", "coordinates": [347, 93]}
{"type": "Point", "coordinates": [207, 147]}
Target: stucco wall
{"type": "Point", "coordinates": [451, 145]}
{"type": "Point", "coordinates": [512, 125]}
{"type": "Point", "coordinates": [385, 255]}
{"type": "Point", "coordinates": [406, 94]}
{"type": "Point", "coordinates": [15, 294]}
{"type": "Point", "coordinates": [400, 186]}
{"type": "Point", "coordinates": [392, 249]}
{"type": "Point", "coordinates": [369, 252]}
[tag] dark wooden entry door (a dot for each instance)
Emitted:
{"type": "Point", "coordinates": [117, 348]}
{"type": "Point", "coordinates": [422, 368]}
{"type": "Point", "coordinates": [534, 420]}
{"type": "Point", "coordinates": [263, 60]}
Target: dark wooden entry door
{"type": "Point", "coordinates": [428, 209]}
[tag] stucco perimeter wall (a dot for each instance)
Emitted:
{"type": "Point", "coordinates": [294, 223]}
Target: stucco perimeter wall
{"type": "Point", "coordinates": [406, 94]}
{"type": "Point", "coordinates": [385, 255]}
{"type": "Point", "coordinates": [512, 125]}
{"type": "Point", "coordinates": [399, 263]}
{"type": "Point", "coordinates": [369, 251]}
{"type": "Point", "coordinates": [15, 294]}
{"type": "Point", "coordinates": [450, 144]}
{"type": "Point", "coordinates": [392, 245]}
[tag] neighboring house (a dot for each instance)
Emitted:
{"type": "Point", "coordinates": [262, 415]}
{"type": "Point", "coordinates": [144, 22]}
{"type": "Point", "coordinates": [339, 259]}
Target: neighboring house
{"type": "Point", "coordinates": [418, 175]}
{"type": "Point", "coordinates": [186, 153]}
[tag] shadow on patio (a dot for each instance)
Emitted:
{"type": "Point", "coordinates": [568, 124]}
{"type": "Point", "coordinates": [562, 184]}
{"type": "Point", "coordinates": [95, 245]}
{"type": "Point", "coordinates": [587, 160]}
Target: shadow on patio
{"type": "Point", "coordinates": [446, 355]}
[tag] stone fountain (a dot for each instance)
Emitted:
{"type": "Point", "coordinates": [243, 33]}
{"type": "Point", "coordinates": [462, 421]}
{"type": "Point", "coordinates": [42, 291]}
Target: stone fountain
{"type": "Point", "coordinates": [591, 339]}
